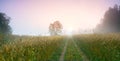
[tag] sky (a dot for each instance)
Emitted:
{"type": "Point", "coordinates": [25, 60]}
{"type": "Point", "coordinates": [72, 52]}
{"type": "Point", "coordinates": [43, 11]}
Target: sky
{"type": "Point", "coordinates": [32, 17]}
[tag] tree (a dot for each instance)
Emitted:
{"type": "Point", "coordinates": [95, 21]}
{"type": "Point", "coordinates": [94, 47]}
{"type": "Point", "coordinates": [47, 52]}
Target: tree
{"type": "Point", "coordinates": [4, 24]}
{"type": "Point", "coordinates": [51, 29]}
{"type": "Point", "coordinates": [55, 28]}
{"type": "Point", "coordinates": [110, 22]}
{"type": "Point", "coordinates": [5, 29]}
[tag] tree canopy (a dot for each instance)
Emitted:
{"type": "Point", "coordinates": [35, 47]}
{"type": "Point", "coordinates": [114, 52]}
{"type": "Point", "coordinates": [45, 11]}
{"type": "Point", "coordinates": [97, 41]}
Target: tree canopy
{"type": "Point", "coordinates": [4, 24]}
{"type": "Point", "coordinates": [110, 22]}
{"type": "Point", "coordinates": [55, 28]}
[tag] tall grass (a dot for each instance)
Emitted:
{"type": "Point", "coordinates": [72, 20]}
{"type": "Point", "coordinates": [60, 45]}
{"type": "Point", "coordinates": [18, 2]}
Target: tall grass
{"type": "Point", "coordinates": [100, 47]}
{"type": "Point", "coordinates": [96, 47]}
{"type": "Point", "coordinates": [30, 48]}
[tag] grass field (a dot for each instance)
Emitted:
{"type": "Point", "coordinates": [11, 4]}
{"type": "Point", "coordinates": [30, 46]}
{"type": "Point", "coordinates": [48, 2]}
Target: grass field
{"type": "Point", "coordinates": [87, 47]}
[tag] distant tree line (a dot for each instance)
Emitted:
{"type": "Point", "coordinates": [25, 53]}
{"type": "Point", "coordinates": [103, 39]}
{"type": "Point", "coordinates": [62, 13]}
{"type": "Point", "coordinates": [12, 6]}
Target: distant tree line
{"type": "Point", "coordinates": [110, 23]}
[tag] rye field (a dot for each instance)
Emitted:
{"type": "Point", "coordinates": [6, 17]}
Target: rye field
{"type": "Point", "coordinates": [86, 47]}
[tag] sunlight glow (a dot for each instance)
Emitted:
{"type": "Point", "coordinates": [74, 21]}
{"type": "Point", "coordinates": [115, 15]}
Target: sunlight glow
{"type": "Point", "coordinates": [70, 30]}
{"type": "Point", "coordinates": [34, 16]}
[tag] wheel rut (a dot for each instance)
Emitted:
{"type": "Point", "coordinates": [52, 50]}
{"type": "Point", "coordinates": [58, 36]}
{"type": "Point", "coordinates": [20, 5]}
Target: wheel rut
{"type": "Point", "coordinates": [84, 57]}
{"type": "Point", "coordinates": [77, 50]}
{"type": "Point", "coordinates": [63, 52]}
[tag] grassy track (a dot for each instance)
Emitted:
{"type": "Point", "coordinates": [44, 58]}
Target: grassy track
{"type": "Point", "coordinates": [72, 54]}
{"type": "Point", "coordinates": [84, 57]}
{"type": "Point", "coordinates": [57, 53]}
{"type": "Point", "coordinates": [63, 52]}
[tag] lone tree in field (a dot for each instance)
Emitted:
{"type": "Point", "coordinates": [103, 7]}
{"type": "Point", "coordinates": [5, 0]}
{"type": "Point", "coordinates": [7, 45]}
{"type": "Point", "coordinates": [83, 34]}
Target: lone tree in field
{"type": "Point", "coordinates": [110, 22]}
{"type": "Point", "coordinates": [4, 24]}
{"type": "Point", "coordinates": [55, 28]}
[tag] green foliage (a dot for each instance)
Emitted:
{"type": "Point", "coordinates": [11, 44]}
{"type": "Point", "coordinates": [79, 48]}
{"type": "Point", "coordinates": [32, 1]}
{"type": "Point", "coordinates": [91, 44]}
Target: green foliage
{"type": "Point", "coordinates": [4, 24]}
{"type": "Point", "coordinates": [5, 29]}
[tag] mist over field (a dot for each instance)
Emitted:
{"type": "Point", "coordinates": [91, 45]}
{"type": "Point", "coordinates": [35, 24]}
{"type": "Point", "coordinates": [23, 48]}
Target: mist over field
{"type": "Point", "coordinates": [33, 17]}
{"type": "Point", "coordinates": [59, 30]}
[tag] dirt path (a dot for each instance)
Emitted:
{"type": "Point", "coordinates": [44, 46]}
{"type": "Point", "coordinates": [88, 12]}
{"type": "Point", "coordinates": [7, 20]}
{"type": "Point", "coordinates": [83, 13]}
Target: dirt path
{"type": "Point", "coordinates": [63, 52]}
{"type": "Point", "coordinates": [72, 54]}
{"type": "Point", "coordinates": [84, 57]}
{"type": "Point", "coordinates": [78, 51]}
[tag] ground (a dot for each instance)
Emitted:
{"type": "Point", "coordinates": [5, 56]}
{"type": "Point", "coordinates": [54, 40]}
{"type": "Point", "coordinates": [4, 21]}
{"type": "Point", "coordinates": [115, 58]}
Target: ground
{"type": "Point", "coordinates": [88, 47]}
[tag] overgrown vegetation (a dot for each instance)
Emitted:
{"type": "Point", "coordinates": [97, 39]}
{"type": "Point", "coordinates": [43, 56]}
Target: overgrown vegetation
{"type": "Point", "coordinates": [96, 47]}
{"type": "Point", "coordinates": [30, 48]}
{"type": "Point", "coordinates": [100, 47]}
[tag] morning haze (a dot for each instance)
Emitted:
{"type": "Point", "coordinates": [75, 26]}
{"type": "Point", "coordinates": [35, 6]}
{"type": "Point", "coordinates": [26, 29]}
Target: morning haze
{"type": "Point", "coordinates": [32, 17]}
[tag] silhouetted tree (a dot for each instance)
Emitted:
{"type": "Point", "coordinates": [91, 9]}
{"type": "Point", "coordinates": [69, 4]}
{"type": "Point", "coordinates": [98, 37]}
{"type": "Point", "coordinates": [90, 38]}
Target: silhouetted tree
{"type": "Point", "coordinates": [55, 28]}
{"type": "Point", "coordinates": [110, 22]}
{"type": "Point", "coordinates": [5, 29]}
{"type": "Point", "coordinates": [4, 24]}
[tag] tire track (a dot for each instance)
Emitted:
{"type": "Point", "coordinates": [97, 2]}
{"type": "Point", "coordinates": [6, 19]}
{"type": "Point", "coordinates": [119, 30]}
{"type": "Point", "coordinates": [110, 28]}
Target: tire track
{"type": "Point", "coordinates": [72, 54]}
{"type": "Point", "coordinates": [84, 57]}
{"type": "Point", "coordinates": [63, 52]}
